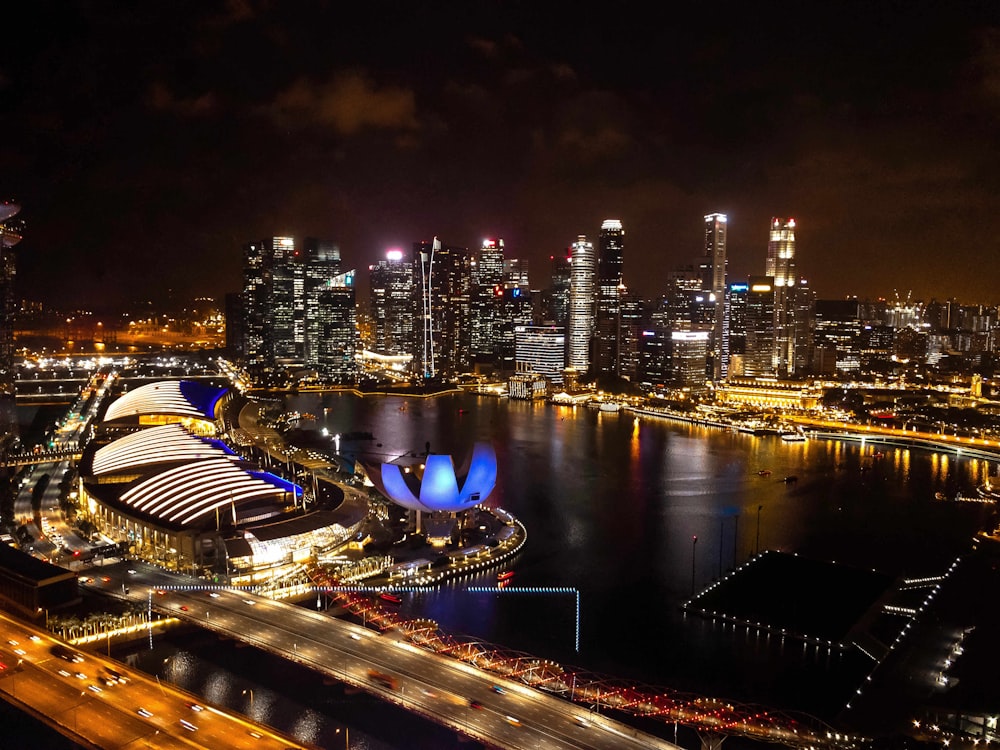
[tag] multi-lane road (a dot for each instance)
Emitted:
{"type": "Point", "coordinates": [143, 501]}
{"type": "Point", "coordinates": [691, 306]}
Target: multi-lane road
{"type": "Point", "coordinates": [99, 702]}
{"type": "Point", "coordinates": [499, 712]}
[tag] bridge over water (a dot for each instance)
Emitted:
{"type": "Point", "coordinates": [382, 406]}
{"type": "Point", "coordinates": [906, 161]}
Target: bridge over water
{"type": "Point", "coordinates": [504, 700]}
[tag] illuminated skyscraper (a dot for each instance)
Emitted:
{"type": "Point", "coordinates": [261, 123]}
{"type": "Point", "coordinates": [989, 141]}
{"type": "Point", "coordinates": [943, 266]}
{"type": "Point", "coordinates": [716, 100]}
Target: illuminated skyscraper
{"type": "Point", "coordinates": [610, 288]}
{"type": "Point", "coordinates": [557, 302]}
{"type": "Point", "coordinates": [486, 303]}
{"type": "Point", "coordinates": [734, 334]}
{"type": "Point", "coordinates": [715, 262]}
{"type": "Point", "coordinates": [392, 293]}
{"type": "Point", "coordinates": [286, 307]}
{"type": "Point", "coordinates": [758, 361]}
{"type": "Point", "coordinates": [583, 270]}
{"type": "Point", "coordinates": [443, 281]}
{"type": "Point", "coordinates": [10, 235]}
{"type": "Point", "coordinates": [781, 268]}
{"type": "Point", "coordinates": [321, 262]}
{"type": "Point", "coordinates": [334, 319]}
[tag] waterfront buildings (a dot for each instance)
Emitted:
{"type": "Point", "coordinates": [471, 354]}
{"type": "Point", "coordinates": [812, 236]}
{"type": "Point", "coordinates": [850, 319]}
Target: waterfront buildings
{"type": "Point", "coordinates": [541, 350]}
{"type": "Point", "coordinates": [297, 310]}
{"type": "Point", "coordinates": [580, 329]}
{"type": "Point", "coordinates": [443, 279]}
{"type": "Point", "coordinates": [715, 263]}
{"type": "Point", "coordinates": [486, 304]}
{"type": "Point", "coordinates": [162, 478]}
{"type": "Point", "coordinates": [610, 288]}
{"type": "Point", "coordinates": [780, 267]}
{"type": "Point", "coordinates": [392, 304]}
{"type": "Point", "coordinates": [10, 235]}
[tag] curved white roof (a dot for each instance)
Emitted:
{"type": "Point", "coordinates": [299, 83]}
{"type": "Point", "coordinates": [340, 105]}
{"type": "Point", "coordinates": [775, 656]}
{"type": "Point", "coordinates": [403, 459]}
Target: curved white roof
{"type": "Point", "coordinates": [157, 445]}
{"type": "Point", "coordinates": [184, 398]}
{"type": "Point", "coordinates": [186, 493]}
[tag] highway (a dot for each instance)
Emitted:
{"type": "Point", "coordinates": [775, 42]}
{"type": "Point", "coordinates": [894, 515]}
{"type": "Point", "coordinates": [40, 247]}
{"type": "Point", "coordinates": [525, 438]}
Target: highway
{"type": "Point", "coordinates": [496, 711]}
{"type": "Point", "coordinates": [84, 701]}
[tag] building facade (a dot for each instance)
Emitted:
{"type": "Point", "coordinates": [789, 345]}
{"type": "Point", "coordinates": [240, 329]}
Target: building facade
{"type": "Point", "coordinates": [716, 262]}
{"type": "Point", "coordinates": [610, 287]}
{"type": "Point", "coordinates": [580, 330]}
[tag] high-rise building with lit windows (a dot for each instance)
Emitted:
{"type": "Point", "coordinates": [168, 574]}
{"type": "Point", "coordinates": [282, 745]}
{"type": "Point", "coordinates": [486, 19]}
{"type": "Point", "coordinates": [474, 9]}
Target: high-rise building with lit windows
{"type": "Point", "coordinates": [334, 319]}
{"type": "Point", "coordinates": [288, 312]}
{"type": "Point", "coordinates": [610, 288]}
{"type": "Point", "coordinates": [583, 273]}
{"type": "Point", "coordinates": [758, 360]}
{"type": "Point", "coordinates": [391, 293]}
{"type": "Point", "coordinates": [557, 299]}
{"type": "Point", "coordinates": [780, 268]}
{"type": "Point", "coordinates": [486, 302]}
{"type": "Point", "coordinates": [715, 263]}
{"type": "Point", "coordinates": [443, 282]}
{"type": "Point", "coordinates": [10, 235]}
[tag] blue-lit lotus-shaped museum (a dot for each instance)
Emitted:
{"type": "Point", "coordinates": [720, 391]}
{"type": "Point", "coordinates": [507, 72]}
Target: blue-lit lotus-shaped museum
{"type": "Point", "coordinates": [435, 485]}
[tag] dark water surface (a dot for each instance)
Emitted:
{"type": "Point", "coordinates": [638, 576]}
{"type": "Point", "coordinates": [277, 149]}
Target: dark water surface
{"type": "Point", "coordinates": [612, 504]}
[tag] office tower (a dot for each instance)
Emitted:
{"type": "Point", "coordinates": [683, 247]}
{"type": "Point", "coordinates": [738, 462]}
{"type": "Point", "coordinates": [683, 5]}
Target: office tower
{"type": "Point", "coordinates": [334, 320]}
{"type": "Point", "coordinates": [803, 324]}
{"type": "Point", "coordinates": [611, 247]}
{"type": "Point", "coordinates": [542, 350]}
{"type": "Point", "coordinates": [654, 347]}
{"type": "Point", "coordinates": [557, 295]}
{"type": "Point", "coordinates": [515, 273]}
{"type": "Point", "coordinates": [320, 260]}
{"type": "Point", "coordinates": [758, 361]}
{"type": "Point", "coordinates": [734, 334]}
{"type": "Point", "coordinates": [287, 302]}
{"type": "Point", "coordinates": [781, 252]}
{"type": "Point", "coordinates": [837, 337]}
{"type": "Point", "coordinates": [689, 356]}
{"type": "Point", "coordinates": [515, 312]}
{"type": "Point", "coordinates": [285, 318]}
{"type": "Point", "coordinates": [716, 263]}
{"type": "Point", "coordinates": [634, 320]}
{"type": "Point", "coordinates": [391, 291]}
{"type": "Point", "coordinates": [443, 281]}
{"type": "Point", "coordinates": [486, 303]}
{"type": "Point", "coordinates": [583, 273]}
{"type": "Point", "coordinates": [235, 322]}
{"type": "Point", "coordinates": [781, 269]}
{"type": "Point", "coordinates": [10, 235]}
{"type": "Point", "coordinates": [257, 354]}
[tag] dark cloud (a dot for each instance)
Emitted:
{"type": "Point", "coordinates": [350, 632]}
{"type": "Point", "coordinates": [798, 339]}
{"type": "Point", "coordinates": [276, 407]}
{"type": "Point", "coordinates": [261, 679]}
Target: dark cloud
{"type": "Point", "coordinates": [349, 103]}
{"type": "Point", "coordinates": [162, 136]}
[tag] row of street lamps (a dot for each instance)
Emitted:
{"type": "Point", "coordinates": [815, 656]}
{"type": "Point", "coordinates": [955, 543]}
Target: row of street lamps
{"type": "Point", "coordinates": [722, 526]}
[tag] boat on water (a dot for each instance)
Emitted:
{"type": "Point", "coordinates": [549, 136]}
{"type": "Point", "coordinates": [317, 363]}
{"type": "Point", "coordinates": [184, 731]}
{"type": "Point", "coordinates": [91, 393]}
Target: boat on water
{"type": "Point", "coordinates": [391, 598]}
{"type": "Point", "coordinates": [793, 437]}
{"type": "Point", "coordinates": [764, 473]}
{"type": "Point", "coordinates": [505, 575]}
{"type": "Point", "coordinates": [610, 406]}
{"type": "Point", "coordinates": [940, 496]}
{"type": "Point", "coordinates": [790, 479]}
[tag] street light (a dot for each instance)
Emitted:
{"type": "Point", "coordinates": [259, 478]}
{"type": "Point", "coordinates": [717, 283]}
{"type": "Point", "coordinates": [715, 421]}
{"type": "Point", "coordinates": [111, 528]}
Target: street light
{"type": "Point", "coordinates": [347, 736]}
{"type": "Point", "coordinates": [757, 546]}
{"type": "Point", "coordinates": [250, 690]}
{"type": "Point", "coordinates": [694, 544]}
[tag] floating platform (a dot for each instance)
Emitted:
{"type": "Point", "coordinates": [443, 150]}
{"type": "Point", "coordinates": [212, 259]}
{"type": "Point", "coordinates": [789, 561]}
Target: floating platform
{"type": "Point", "coordinates": [792, 596]}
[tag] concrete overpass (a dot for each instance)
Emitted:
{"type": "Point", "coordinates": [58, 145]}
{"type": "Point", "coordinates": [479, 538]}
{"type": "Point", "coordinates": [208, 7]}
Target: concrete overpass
{"type": "Point", "coordinates": [497, 711]}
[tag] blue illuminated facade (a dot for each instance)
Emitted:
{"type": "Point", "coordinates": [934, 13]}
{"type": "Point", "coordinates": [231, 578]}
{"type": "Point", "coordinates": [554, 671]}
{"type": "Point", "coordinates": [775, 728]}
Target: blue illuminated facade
{"type": "Point", "coordinates": [437, 487]}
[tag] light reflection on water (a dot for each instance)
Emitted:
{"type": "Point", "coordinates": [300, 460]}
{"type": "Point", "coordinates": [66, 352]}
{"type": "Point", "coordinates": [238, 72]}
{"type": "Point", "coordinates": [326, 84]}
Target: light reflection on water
{"type": "Point", "coordinates": [611, 507]}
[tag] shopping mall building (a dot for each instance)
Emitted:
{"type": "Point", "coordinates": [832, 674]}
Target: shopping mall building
{"type": "Point", "coordinates": [163, 474]}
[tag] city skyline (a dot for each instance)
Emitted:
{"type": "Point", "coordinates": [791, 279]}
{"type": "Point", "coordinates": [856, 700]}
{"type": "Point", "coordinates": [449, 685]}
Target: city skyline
{"type": "Point", "coordinates": [163, 138]}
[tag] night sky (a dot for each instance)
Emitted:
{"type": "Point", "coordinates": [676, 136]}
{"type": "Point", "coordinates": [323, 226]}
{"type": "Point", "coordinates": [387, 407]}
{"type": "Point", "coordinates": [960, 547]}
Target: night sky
{"type": "Point", "coordinates": [148, 141]}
